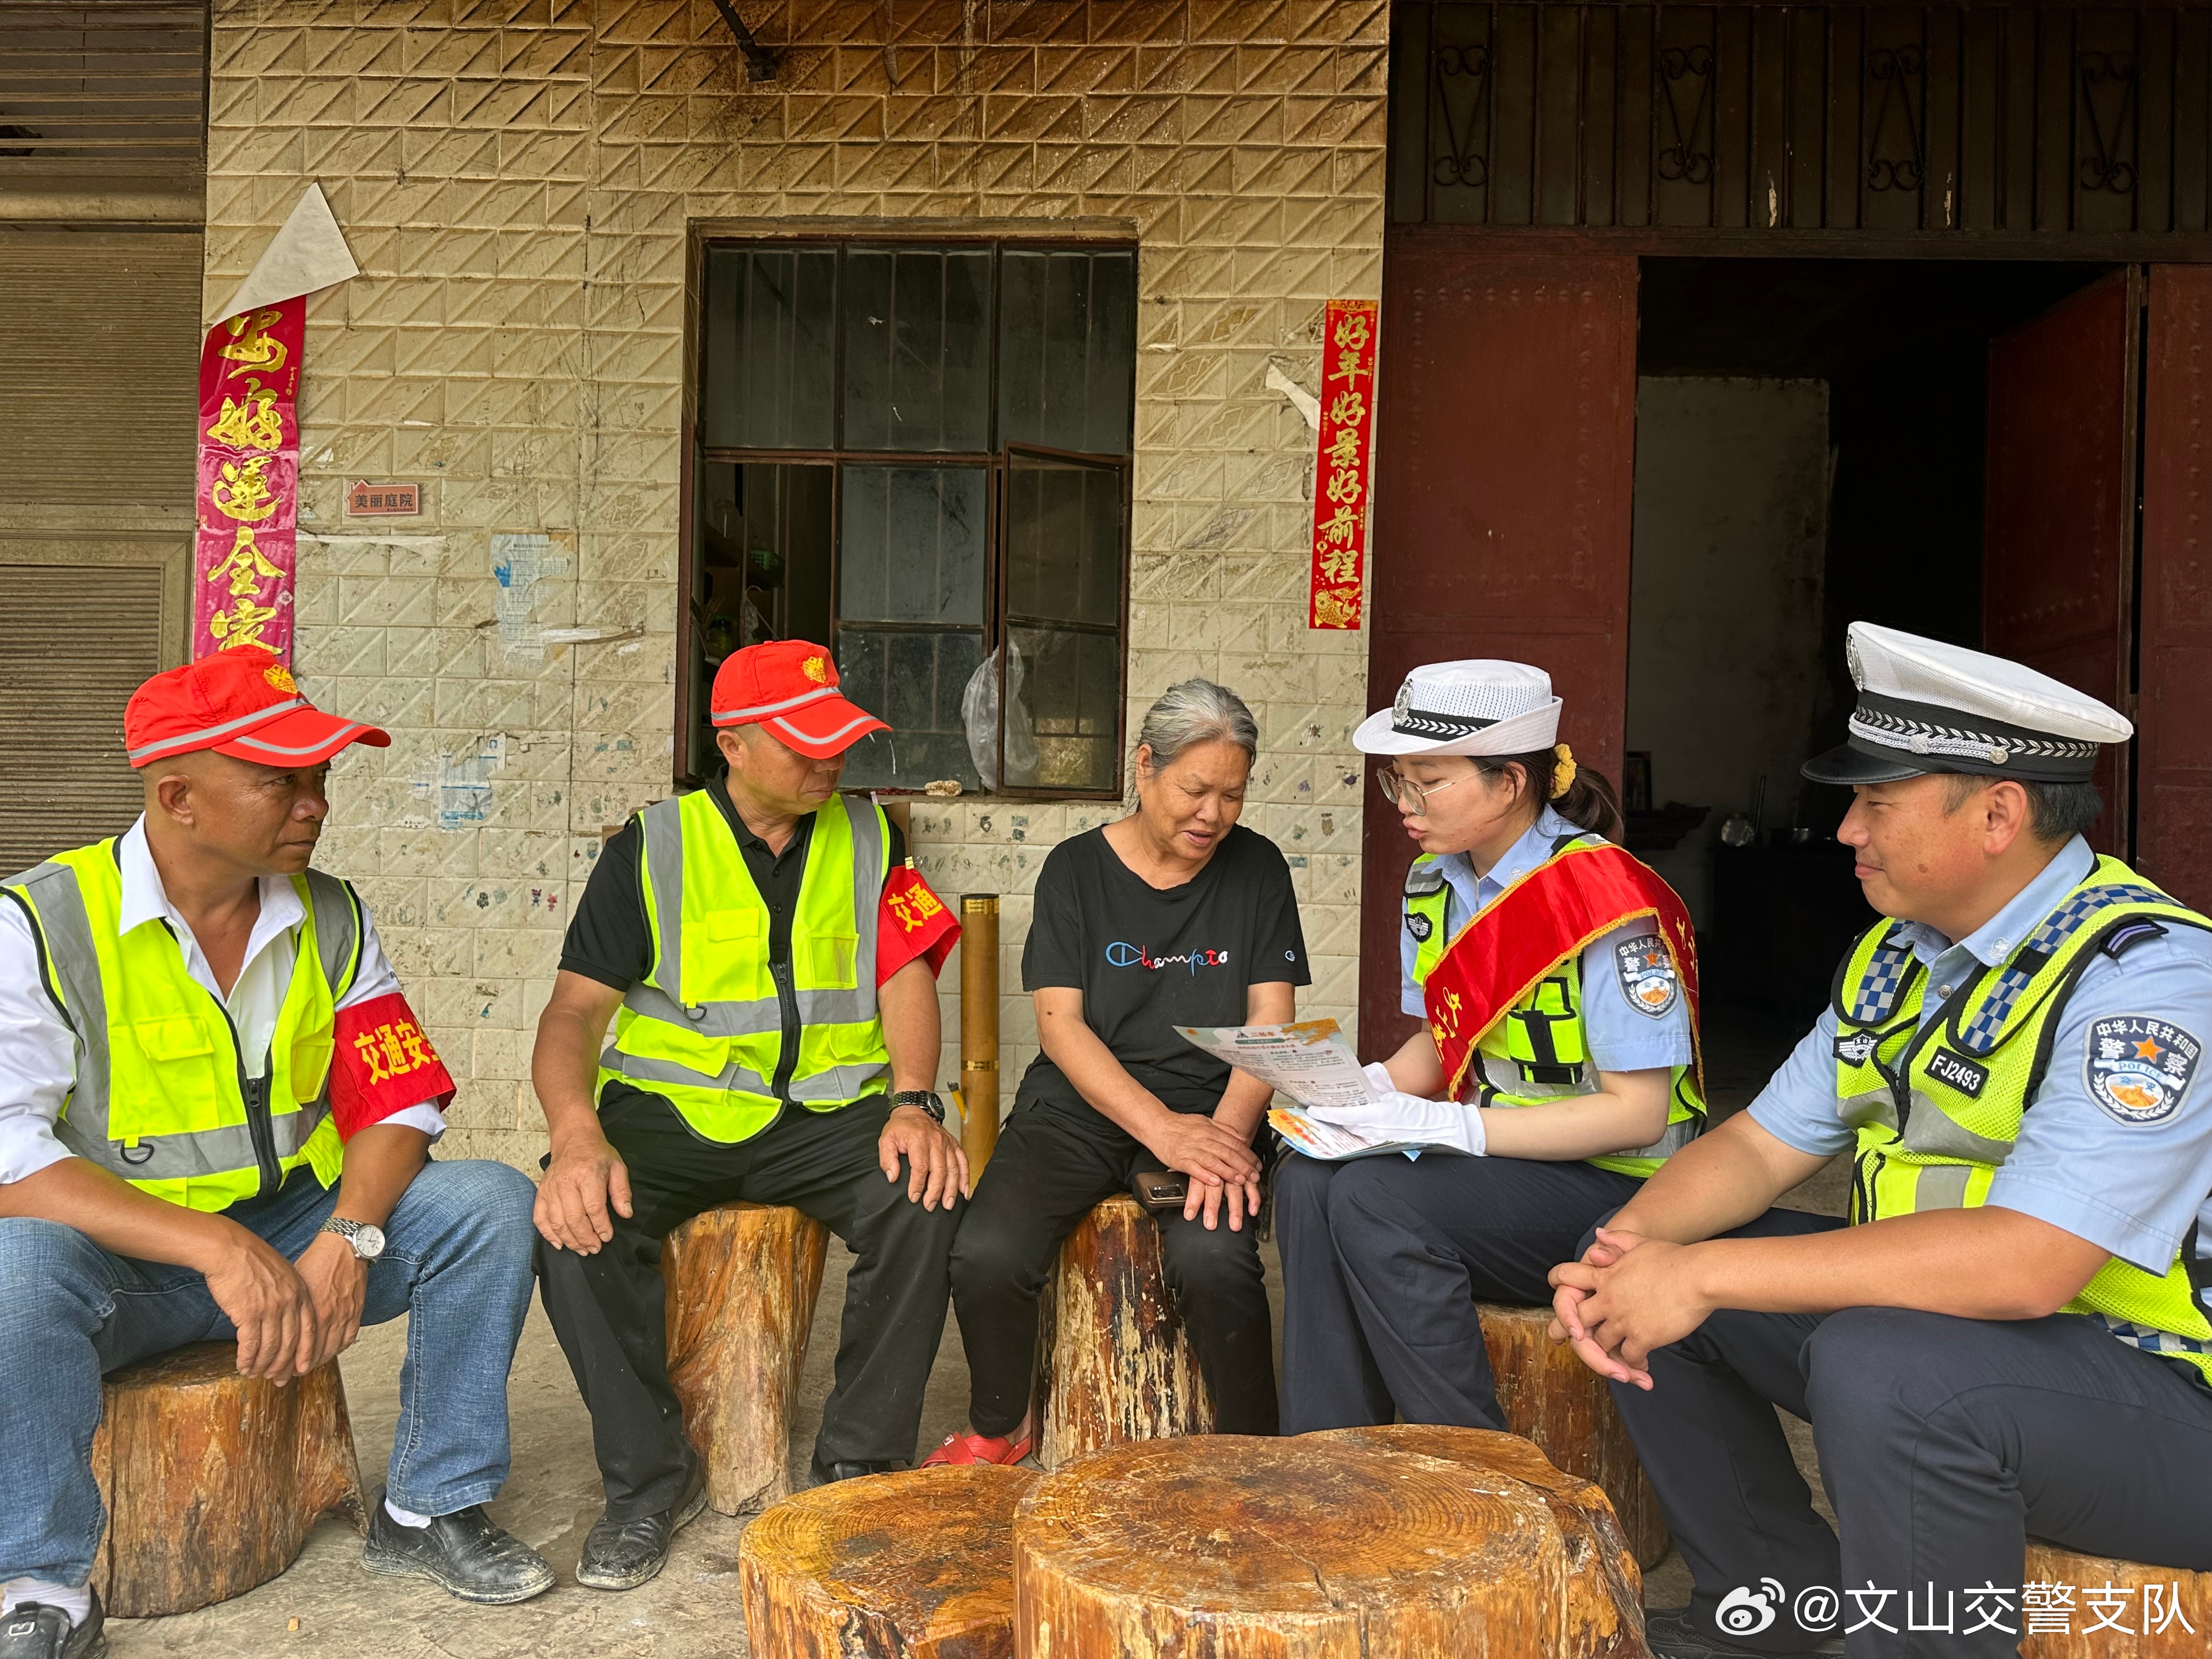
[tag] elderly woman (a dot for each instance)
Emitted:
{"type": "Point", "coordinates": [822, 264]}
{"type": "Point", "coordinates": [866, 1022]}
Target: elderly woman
{"type": "Point", "coordinates": [1171, 916]}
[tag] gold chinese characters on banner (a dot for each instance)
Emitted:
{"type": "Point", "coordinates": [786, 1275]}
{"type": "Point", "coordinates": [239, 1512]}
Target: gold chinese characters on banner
{"type": "Point", "coordinates": [249, 497]}
{"type": "Point", "coordinates": [1349, 339]}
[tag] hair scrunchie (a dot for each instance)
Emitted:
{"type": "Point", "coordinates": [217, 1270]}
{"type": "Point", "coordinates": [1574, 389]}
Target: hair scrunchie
{"type": "Point", "coordinates": [1563, 774]}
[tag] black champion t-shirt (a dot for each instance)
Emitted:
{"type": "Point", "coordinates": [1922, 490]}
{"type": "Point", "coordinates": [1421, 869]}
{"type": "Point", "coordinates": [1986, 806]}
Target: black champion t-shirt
{"type": "Point", "coordinates": [1147, 960]}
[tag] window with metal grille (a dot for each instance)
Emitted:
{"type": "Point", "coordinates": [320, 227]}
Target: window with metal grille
{"type": "Point", "coordinates": [919, 455]}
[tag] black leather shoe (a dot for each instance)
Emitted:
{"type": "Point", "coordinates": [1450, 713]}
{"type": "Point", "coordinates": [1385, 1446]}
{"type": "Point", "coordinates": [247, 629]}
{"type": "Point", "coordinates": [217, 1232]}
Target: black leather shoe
{"type": "Point", "coordinates": [465, 1551]}
{"type": "Point", "coordinates": [1670, 1635]}
{"type": "Point", "coordinates": [620, 1555]}
{"type": "Point", "coordinates": [825, 1473]}
{"type": "Point", "coordinates": [35, 1631]}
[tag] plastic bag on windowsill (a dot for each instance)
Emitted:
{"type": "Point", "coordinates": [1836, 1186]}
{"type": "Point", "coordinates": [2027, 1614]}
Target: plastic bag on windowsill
{"type": "Point", "coordinates": [979, 713]}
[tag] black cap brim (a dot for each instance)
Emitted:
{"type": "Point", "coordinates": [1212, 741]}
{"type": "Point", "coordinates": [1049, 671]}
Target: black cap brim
{"type": "Point", "coordinates": [1848, 763]}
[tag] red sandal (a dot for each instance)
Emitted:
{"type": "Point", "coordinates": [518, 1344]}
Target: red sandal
{"type": "Point", "coordinates": [978, 1449]}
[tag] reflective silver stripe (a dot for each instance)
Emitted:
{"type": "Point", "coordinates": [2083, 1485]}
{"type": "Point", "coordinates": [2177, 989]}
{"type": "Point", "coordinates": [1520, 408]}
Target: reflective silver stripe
{"type": "Point", "coordinates": [663, 826]}
{"type": "Point", "coordinates": [337, 931]}
{"type": "Point", "coordinates": [730, 1077]}
{"type": "Point", "coordinates": [188, 739]}
{"type": "Point", "coordinates": [1876, 1106]}
{"type": "Point", "coordinates": [762, 711]}
{"type": "Point", "coordinates": [764, 1018]}
{"type": "Point", "coordinates": [293, 751]}
{"type": "Point", "coordinates": [199, 1155]}
{"type": "Point", "coordinates": [805, 735]}
{"type": "Point", "coordinates": [838, 1083]}
{"type": "Point", "coordinates": [868, 875]}
{"type": "Point", "coordinates": [66, 931]}
{"type": "Point", "coordinates": [1932, 1130]}
{"type": "Point", "coordinates": [1941, 1186]}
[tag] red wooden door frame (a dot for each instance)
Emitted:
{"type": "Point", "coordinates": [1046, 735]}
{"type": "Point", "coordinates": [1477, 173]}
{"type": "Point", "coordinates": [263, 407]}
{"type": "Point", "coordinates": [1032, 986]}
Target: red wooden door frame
{"type": "Point", "coordinates": [1504, 480]}
{"type": "Point", "coordinates": [2173, 713]}
{"type": "Point", "coordinates": [2058, 525]}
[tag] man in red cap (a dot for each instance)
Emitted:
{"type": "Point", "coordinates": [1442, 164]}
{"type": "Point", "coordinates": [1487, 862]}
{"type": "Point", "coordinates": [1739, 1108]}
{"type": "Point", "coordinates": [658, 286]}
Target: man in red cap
{"type": "Point", "coordinates": [215, 1109]}
{"type": "Point", "coordinates": [770, 963]}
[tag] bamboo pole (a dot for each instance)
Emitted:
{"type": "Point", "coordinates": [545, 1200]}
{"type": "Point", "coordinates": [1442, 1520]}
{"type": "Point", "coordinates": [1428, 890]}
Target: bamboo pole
{"type": "Point", "coordinates": [979, 1028]}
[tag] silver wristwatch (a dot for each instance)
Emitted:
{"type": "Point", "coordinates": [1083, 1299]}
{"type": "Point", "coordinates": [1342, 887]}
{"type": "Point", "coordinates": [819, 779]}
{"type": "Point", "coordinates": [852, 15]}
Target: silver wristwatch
{"type": "Point", "coordinates": [367, 1240]}
{"type": "Point", "coordinates": [924, 1100]}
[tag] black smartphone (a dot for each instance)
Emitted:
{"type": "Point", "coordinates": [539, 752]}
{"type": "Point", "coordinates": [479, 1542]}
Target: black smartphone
{"type": "Point", "coordinates": [1162, 1189]}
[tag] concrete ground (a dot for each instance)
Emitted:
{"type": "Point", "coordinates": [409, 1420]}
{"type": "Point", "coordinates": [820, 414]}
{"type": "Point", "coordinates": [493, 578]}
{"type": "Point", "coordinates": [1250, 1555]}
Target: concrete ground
{"type": "Point", "coordinates": [326, 1605]}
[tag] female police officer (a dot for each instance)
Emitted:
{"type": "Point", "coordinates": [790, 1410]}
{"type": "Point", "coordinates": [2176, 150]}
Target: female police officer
{"type": "Point", "coordinates": [1556, 977]}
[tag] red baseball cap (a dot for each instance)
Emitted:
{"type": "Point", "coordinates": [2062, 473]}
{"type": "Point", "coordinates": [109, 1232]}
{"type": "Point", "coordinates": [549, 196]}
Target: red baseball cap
{"type": "Point", "coordinates": [242, 702]}
{"type": "Point", "coordinates": [791, 687]}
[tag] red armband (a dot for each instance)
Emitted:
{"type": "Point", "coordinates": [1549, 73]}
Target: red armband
{"type": "Point", "coordinates": [912, 921]}
{"type": "Point", "coordinates": [384, 1064]}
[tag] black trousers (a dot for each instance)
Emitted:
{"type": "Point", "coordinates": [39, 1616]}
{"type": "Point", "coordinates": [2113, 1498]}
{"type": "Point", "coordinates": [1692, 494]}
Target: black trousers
{"type": "Point", "coordinates": [1944, 1444]}
{"type": "Point", "coordinates": [1052, 1164]}
{"type": "Point", "coordinates": [1384, 1261]}
{"type": "Point", "coordinates": [608, 1310]}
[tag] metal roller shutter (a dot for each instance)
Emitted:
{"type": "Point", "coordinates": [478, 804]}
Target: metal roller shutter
{"type": "Point", "coordinates": [80, 641]}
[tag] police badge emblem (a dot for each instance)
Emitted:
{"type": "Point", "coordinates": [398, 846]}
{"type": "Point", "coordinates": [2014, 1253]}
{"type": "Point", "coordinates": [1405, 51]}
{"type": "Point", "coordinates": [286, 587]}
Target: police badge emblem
{"type": "Point", "coordinates": [1647, 974]}
{"type": "Point", "coordinates": [2138, 1067]}
{"type": "Point", "coordinates": [1420, 927]}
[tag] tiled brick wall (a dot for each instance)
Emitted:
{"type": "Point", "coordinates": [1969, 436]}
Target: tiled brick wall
{"type": "Point", "coordinates": [516, 179]}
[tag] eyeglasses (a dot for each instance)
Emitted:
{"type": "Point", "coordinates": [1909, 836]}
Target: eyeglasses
{"type": "Point", "coordinates": [1401, 790]}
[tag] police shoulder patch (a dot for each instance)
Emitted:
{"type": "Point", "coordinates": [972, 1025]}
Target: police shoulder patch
{"type": "Point", "coordinates": [1647, 974]}
{"type": "Point", "coordinates": [1419, 925]}
{"type": "Point", "coordinates": [2138, 1066]}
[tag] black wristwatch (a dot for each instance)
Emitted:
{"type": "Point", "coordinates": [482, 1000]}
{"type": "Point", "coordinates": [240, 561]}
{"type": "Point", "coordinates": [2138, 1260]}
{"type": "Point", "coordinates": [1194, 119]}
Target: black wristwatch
{"type": "Point", "coordinates": [922, 1099]}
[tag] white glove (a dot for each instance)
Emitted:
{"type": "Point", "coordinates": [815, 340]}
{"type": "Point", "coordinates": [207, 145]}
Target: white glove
{"type": "Point", "coordinates": [1395, 1115]}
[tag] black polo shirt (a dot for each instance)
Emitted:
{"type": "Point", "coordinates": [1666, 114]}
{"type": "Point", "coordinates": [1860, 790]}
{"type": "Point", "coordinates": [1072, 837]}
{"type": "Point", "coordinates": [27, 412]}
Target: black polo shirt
{"type": "Point", "coordinates": [610, 937]}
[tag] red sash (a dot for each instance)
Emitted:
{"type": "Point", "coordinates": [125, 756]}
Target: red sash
{"type": "Point", "coordinates": [1549, 915]}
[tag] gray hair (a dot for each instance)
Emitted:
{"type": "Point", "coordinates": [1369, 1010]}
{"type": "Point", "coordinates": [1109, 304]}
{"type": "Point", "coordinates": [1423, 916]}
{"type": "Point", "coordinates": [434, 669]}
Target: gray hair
{"type": "Point", "coordinates": [1197, 711]}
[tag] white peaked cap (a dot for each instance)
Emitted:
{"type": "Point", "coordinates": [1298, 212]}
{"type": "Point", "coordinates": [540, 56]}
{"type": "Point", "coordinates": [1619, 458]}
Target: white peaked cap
{"type": "Point", "coordinates": [1928, 707]}
{"type": "Point", "coordinates": [1476, 707]}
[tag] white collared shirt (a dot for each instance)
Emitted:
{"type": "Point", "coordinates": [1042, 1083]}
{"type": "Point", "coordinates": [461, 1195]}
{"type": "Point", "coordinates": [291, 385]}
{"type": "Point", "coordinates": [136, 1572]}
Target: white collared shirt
{"type": "Point", "coordinates": [38, 1053]}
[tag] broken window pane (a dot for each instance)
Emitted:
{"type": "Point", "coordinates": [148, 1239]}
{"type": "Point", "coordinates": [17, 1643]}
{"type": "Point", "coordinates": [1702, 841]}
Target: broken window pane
{"type": "Point", "coordinates": [913, 678]}
{"type": "Point", "coordinates": [917, 349]}
{"type": "Point", "coordinates": [771, 315]}
{"type": "Point", "coordinates": [1067, 343]}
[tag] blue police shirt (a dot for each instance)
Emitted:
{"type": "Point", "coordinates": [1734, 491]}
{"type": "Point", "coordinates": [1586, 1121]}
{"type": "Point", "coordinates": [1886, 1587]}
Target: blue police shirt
{"type": "Point", "coordinates": [1623, 1034]}
{"type": "Point", "coordinates": [2129, 1182]}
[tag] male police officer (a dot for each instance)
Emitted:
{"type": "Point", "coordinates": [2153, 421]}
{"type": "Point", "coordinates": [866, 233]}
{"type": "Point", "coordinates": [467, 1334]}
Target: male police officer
{"type": "Point", "coordinates": [2011, 1338]}
{"type": "Point", "coordinates": [215, 1112]}
{"type": "Point", "coordinates": [772, 962]}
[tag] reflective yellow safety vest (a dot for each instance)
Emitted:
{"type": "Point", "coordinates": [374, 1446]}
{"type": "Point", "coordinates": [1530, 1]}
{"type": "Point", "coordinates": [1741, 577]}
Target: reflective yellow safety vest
{"type": "Point", "coordinates": [1538, 1052]}
{"type": "Point", "coordinates": [1937, 1107]}
{"type": "Point", "coordinates": [161, 1097]}
{"type": "Point", "coordinates": [705, 1029]}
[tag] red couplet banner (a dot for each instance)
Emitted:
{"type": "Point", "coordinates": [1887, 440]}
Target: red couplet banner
{"type": "Point", "coordinates": [1349, 334]}
{"type": "Point", "coordinates": [249, 480]}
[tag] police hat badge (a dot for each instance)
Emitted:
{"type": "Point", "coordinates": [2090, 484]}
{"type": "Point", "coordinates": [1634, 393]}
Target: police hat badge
{"type": "Point", "coordinates": [2138, 1066]}
{"type": "Point", "coordinates": [1647, 974]}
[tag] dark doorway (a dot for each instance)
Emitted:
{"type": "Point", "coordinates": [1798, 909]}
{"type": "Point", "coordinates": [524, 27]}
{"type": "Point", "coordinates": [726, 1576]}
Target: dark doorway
{"type": "Point", "coordinates": [1812, 442]}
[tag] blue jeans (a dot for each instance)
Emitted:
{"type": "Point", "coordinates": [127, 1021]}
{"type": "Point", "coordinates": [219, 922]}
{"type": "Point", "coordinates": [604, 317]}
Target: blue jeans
{"type": "Point", "coordinates": [457, 1258]}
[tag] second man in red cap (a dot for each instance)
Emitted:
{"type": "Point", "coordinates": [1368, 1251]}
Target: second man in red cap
{"type": "Point", "coordinates": [770, 964]}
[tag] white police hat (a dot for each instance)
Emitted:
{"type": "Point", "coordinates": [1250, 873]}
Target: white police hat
{"type": "Point", "coordinates": [1928, 707]}
{"type": "Point", "coordinates": [1472, 707]}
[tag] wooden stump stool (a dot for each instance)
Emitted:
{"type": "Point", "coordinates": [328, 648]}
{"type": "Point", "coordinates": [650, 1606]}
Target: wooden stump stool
{"type": "Point", "coordinates": [917, 1565]}
{"type": "Point", "coordinates": [213, 1480]}
{"type": "Point", "coordinates": [1117, 1366]}
{"type": "Point", "coordinates": [741, 1281]}
{"type": "Point", "coordinates": [1317, 1548]}
{"type": "Point", "coordinates": [1553, 1399]}
{"type": "Point", "coordinates": [2122, 1593]}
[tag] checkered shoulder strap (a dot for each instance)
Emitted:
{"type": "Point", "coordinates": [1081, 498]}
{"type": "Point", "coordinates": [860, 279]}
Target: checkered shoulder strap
{"type": "Point", "coordinates": [2079, 909]}
{"type": "Point", "coordinates": [1873, 999]}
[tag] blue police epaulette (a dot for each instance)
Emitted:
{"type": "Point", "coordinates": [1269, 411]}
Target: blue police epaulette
{"type": "Point", "coordinates": [1426, 877]}
{"type": "Point", "coordinates": [2126, 938]}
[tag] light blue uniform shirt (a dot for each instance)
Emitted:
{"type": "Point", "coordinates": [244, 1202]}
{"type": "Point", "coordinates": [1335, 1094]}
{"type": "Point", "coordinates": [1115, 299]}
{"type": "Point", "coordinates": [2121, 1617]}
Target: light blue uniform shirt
{"type": "Point", "coordinates": [2130, 1188]}
{"type": "Point", "coordinates": [1623, 1036]}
